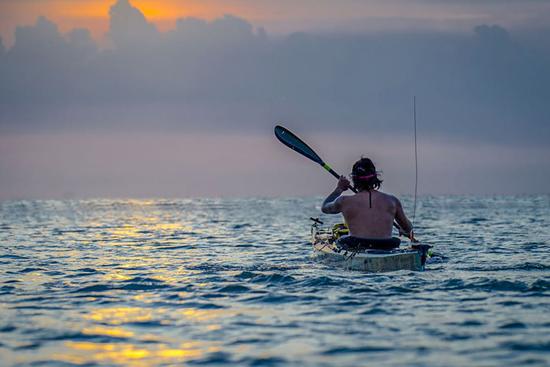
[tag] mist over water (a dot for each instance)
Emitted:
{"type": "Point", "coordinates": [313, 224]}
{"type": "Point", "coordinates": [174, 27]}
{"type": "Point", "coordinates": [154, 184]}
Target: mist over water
{"type": "Point", "coordinates": [231, 281]}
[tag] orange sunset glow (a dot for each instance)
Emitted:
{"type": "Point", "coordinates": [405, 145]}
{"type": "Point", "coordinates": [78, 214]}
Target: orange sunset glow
{"type": "Point", "coordinates": [282, 16]}
{"type": "Point", "coordinates": [94, 14]}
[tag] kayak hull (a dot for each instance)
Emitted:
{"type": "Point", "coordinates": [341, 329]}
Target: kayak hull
{"type": "Point", "coordinates": [326, 250]}
{"type": "Point", "coordinates": [369, 261]}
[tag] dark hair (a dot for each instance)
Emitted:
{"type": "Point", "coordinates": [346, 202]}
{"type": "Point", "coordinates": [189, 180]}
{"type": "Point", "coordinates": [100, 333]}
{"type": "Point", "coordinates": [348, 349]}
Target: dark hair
{"type": "Point", "coordinates": [361, 168]}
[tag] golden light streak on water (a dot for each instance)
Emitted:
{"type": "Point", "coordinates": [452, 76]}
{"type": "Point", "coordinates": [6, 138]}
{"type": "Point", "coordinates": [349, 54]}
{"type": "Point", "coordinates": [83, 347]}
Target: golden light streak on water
{"type": "Point", "coordinates": [104, 352]}
{"type": "Point", "coordinates": [139, 226]}
{"type": "Point", "coordinates": [125, 232]}
{"type": "Point", "coordinates": [126, 354]}
{"type": "Point", "coordinates": [206, 315]}
{"type": "Point", "coordinates": [116, 275]}
{"type": "Point", "coordinates": [139, 202]}
{"type": "Point", "coordinates": [144, 297]}
{"type": "Point", "coordinates": [108, 331]}
{"type": "Point", "coordinates": [122, 315]}
{"type": "Point", "coordinates": [170, 227]}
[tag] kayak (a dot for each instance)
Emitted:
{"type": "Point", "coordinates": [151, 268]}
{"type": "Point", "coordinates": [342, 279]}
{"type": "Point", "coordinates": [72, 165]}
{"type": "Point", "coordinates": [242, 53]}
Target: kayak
{"type": "Point", "coordinates": [326, 248]}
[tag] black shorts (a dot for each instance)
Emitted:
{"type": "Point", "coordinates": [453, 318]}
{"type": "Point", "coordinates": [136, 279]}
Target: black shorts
{"type": "Point", "coordinates": [351, 243]}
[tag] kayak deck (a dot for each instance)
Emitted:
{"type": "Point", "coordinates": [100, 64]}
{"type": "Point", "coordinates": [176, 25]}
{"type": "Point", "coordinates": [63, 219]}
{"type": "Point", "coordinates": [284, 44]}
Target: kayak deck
{"type": "Point", "coordinates": [327, 250]}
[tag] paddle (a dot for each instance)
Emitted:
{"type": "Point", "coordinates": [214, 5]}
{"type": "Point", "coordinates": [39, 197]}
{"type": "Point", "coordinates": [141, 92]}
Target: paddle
{"type": "Point", "coordinates": [295, 143]}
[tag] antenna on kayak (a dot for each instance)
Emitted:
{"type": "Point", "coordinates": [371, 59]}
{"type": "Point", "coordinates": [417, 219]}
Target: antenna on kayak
{"type": "Point", "coordinates": [415, 162]}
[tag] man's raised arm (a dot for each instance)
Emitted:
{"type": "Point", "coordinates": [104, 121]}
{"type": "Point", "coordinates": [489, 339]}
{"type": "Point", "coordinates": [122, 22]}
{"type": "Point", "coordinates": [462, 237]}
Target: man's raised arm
{"type": "Point", "coordinates": [333, 202]}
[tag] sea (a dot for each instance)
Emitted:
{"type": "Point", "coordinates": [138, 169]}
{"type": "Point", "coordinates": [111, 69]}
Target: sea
{"type": "Point", "coordinates": [232, 282]}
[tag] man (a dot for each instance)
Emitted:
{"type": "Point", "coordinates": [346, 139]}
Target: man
{"type": "Point", "coordinates": [370, 213]}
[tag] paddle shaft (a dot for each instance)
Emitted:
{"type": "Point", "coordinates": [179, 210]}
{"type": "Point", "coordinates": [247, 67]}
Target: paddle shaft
{"type": "Point", "coordinates": [332, 172]}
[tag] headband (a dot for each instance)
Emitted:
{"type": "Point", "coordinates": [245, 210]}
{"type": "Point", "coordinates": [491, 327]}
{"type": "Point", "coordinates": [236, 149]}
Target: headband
{"type": "Point", "coordinates": [365, 177]}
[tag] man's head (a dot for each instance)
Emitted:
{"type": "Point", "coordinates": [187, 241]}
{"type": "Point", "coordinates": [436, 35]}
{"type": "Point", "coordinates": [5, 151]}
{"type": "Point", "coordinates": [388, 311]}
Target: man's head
{"type": "Point", "coordinates": [364, 175]}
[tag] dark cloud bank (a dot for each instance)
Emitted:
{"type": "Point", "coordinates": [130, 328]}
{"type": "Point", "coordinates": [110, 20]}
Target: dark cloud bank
{"type": "Point", "coordinates": [225, 75]}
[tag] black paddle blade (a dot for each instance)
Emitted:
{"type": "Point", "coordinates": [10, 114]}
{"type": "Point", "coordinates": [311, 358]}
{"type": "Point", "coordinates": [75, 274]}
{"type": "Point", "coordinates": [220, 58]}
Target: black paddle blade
{"type": "Point", "coordinates": [296, 144]}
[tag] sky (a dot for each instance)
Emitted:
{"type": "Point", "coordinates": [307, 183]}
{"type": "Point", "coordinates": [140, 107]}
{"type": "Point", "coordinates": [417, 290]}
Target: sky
{"type": "Point", "coordinates": [285, 16]}
{"type": "Point", "coordinates": [179, 98]}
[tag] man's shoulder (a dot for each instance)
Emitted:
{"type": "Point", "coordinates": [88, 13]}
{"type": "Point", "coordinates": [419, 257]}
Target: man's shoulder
{"type": "Point", "coordinates": [388, 196]}
{"type": "Point", "coordinates": [390, 199]}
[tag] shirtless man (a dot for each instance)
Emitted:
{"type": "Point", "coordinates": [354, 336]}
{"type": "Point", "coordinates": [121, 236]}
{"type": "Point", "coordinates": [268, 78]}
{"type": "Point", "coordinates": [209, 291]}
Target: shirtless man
{"type": "Point", "coordinates": [369, 213]}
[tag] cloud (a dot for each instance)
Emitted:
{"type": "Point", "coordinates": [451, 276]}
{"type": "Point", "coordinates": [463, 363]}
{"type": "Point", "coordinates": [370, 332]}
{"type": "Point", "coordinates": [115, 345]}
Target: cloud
{"type": "Point", "coordinates": [81, 40]}
{"type": "Point", "coordinates": [42, 40]}
{"type": "Point", "coordinates": [226, 75]}
{"type": "Point", "coordinates": [128, 26]}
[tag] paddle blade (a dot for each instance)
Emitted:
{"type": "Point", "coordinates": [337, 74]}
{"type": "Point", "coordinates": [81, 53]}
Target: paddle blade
{"type": "Point", "coordinates": [296, 144]}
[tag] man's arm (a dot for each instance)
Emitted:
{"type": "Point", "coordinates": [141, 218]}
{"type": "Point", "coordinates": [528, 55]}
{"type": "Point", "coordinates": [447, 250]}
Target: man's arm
{"type": "Point", "coordinates": [333, 202]}
{"type": "Point", "coordinates": [402, 219]}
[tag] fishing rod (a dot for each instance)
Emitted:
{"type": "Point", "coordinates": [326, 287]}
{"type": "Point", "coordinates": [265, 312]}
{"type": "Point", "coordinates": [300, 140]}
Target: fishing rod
{"type": "Point", "coordinates": [416, 182]}
{"type": "Point", "coordinates": [415, 163]}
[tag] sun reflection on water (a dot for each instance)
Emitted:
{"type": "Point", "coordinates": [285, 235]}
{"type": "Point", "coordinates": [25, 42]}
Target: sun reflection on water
{"type": "Point", "coordinates": [199, 315]}
{"type": "Point", "coordinates": [127, 354]}
{"type": "Point", "coordinates": [140, 349]}
{"type": "Point", "coordinates": [116, 275]}
{"type": "Point", "coordinates": [125, 260]}
{"type": "Point", "coordinates": [112, 331]}
{"type": "Point", "coordinates": [122, 315]}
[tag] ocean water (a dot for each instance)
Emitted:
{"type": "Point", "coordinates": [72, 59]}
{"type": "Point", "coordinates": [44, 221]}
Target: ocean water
{"type": "Point", "coordinates": [216, 282]}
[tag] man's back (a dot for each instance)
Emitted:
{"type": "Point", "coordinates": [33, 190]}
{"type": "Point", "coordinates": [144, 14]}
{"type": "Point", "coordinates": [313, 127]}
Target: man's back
{"type": "Point", "coordinates": [369, 213]}
{"type": "Point", "coordinates": [370, 217]}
